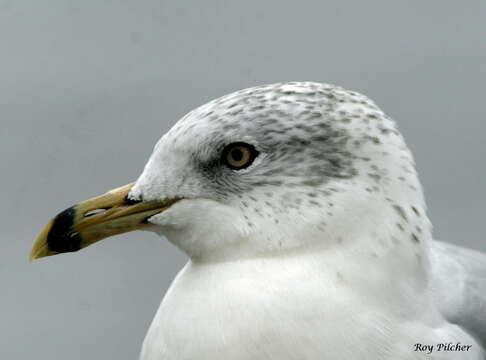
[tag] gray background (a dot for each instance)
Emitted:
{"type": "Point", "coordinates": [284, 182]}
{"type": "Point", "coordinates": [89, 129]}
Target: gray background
{"type": "Point", "coordinates": [87, 87]}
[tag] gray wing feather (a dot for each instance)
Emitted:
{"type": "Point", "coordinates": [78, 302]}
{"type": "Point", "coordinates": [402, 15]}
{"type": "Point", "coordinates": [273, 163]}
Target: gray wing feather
{"type": "Point", "coordinates": [459, 286]}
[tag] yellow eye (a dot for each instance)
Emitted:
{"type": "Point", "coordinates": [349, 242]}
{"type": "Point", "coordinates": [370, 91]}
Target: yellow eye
{"type": "Point", "coordinates": [239, 155]}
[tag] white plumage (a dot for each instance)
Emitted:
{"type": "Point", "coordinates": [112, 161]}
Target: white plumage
{"type": "Point", "coordinates": [321, 249]}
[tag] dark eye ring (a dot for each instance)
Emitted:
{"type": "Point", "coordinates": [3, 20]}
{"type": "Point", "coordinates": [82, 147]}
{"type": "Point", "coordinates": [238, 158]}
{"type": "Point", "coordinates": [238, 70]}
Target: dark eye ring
{"type": "Point", "coordinates": [239, 155]}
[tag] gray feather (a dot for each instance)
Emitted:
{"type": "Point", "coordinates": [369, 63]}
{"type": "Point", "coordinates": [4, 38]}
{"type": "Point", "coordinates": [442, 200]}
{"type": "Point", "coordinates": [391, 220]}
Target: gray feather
{"type": "Point", "coordinates": [459, 287]}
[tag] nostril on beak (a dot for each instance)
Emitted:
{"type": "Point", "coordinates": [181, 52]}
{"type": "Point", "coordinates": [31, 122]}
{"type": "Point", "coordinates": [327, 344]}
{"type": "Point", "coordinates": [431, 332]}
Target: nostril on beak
{"type": "Point", "coordinates": [93, 212]}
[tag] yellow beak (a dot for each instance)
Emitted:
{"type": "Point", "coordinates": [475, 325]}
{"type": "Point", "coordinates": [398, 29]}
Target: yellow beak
{"type": "Point", "coordinates": [92, 220]}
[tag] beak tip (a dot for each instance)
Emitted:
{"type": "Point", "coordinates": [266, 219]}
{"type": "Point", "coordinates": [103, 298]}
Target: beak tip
{"type": "Point", "coordinates": [37, 253]}
{"type": "Point", "coordinates": [39, 247]}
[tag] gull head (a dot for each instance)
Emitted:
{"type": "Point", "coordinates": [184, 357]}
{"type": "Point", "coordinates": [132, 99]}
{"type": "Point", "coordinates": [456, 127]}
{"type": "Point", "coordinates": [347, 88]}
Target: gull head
{"type": "Point", "coordinates": [275, 168]}
{"type": "Point", "coordinates": [279, 167]}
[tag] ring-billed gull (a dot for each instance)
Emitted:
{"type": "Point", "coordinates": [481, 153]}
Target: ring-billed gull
{"type": "Point", "coordinates": [304, 220]}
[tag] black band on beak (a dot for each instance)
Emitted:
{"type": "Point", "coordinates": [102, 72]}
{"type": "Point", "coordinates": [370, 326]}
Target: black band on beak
{"type": "Point", "coordinates": [60, 237]}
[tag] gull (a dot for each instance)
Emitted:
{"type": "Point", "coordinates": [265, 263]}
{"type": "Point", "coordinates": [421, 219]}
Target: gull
{"type": "Point", "coordinates": [304, 221]}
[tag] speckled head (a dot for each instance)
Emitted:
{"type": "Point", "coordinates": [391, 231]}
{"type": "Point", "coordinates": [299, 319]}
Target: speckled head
{"type": "Point", "coordinates": [328, 160]}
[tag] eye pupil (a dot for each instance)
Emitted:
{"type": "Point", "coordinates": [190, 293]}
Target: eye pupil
{"type": "Point", "coordinates": [237, 154]}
